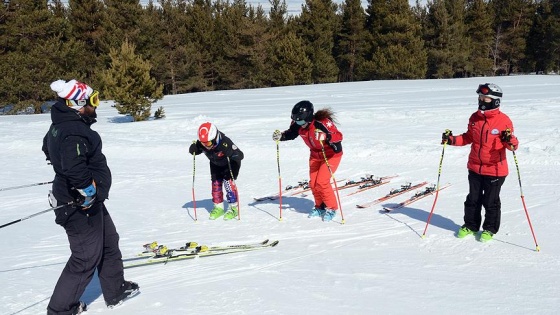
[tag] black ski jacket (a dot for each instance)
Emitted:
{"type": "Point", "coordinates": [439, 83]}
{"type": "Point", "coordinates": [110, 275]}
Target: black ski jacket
{"type": "Point", "coordinates": [224, 148]}
{"type": "Point", "coordinates": [74, 150]}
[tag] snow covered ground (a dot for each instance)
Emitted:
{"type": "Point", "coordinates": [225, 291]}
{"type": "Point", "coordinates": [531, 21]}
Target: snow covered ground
{"type": "Point", "coordinates": [375, 263]}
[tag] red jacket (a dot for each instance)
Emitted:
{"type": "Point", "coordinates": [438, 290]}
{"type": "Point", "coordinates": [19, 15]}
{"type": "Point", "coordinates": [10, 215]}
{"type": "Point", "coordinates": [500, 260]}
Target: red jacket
{"type": "Point", "coordinates": [333, 144]}
{"type": "Point", "coordinates": [488, 152]}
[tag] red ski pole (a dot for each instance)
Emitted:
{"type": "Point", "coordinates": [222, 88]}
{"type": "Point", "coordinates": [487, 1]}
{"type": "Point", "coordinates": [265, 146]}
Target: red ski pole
{"type": "Point", "coordinates": [523, 199]}
{"type": "Point", "coordinates": [437, 188]}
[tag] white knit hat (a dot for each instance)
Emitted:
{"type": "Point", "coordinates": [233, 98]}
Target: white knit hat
{"type": "Point", "coordinates": [72, 90]}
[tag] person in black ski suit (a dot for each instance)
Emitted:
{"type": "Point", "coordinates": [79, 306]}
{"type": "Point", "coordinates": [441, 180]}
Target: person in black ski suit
{"type": "Point", "coordinates": [82, 182]}
{"type": "Point", "coordinates": [225, 160]}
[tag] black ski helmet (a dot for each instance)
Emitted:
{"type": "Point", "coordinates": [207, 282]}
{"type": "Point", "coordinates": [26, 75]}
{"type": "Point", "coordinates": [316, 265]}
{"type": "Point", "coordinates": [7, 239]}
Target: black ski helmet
{"type": "Point", "coordinates": [303, 111]}
{"type": "Point", "coordinates": [492, 91]}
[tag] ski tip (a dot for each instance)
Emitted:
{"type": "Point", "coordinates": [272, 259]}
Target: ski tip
{"type": "Point", "coordinates": [265, 241]}
{"type": "Point", "coordinates": [387, 209]}
{"type": "Point", "coordinates": [274, 243]}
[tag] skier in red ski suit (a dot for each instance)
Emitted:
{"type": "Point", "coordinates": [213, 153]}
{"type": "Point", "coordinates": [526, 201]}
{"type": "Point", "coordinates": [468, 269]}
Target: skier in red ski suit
{"type": "Point", "coordinates": [320, 134]}
{"type": "Point", "coordinates": [490, 133]}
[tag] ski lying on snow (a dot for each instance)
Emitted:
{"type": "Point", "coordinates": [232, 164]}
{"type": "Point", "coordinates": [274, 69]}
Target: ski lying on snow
{"type": "Point", "coordinates": [372, 184]}
{"type": "Point", "coordinates": [393, 193]}
{"type": "Point", "coordinates": [419, 195]}
{"type": "Point", "coordinates": [162, 257]}
{"type": "Point", "coordinates": [302, 186]}
{"type": "Point", "coordinates": [153, 249]}
{"type": "Point", "coordinates": [290, 192]}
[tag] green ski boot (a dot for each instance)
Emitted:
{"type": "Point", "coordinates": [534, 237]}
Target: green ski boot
{"type": "Point", "coordinates": [464, 232]}
{"type": "Point", "coordinates": [217, 212]}
{"type": "Point", "coordinates": [231, 213]}
{"type": "Point", "coordinates": [486, 236]}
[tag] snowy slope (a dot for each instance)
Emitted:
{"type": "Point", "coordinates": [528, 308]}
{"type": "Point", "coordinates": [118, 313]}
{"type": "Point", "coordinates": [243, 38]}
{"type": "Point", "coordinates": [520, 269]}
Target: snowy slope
{"type": "Point", "coordinates": [374, 263]}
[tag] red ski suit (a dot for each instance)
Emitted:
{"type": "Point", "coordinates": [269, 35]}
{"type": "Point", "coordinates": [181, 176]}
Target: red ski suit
{"type": "Point", "coordinates": [319, 174]}
{"type": "Point", "coordinates": [488, 152]}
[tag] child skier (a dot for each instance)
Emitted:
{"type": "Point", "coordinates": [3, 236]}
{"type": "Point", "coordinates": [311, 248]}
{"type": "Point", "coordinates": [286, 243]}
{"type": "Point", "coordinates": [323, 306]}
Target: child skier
{"type": "Point", "coordinates": [225, 161]}
{"type": "Point", "coordinates": [490, 133]}
{"type": "Point", "coordinates": [320, 134]}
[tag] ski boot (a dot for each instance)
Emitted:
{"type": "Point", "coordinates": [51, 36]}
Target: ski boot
{"type": "Point", "coordinates": [217, 212]}
{"type": "Point", "coordinates": [231, 213]}
{"type": "Point", "coordinates": [329, 215]}
{"type": "Point", "coordinates": [316, 212]}
{"type": "Point", "coordinates": [486, 236]}
{"type": "Point", "coordinates": [464, 232]}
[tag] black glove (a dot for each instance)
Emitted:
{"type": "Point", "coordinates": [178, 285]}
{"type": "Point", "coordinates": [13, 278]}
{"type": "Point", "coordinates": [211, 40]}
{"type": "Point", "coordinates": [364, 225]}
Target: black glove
{"type": "Point", "coordinates": [194, 150]}
{"type": "Point", "coordinates": [506, 136]}
{"type": "Point", "coordinates": [337, 147]}
{"type": "Point", "coordinates": [445, 137]}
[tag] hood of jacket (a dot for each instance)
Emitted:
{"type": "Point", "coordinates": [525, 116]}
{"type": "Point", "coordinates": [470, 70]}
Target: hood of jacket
{"type": "Point", "coordinates": [60, 113]}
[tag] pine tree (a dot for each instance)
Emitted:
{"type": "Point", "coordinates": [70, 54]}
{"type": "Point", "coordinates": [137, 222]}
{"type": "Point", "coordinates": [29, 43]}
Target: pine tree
{"type": "Point", "coordinates": [350, 44]}
{"type": "Point", "coordinates": [86, 18]}
{"type": "Point", "coordinates": [512, 23]}
{"type": "Point", "coordinates": [317, 26]}
{"type": "Point", "coordinates": [480, 35]}
{"type": "Point", "coordinates": [129, 84]}
{"type": "Point", "coordinates": [447, 40]}
{"type": "Point", "coordinates": [32, 54]}
{"type": "Point", "coordinates": [288, 62]}
{"type": "Point", "coordinates": [543, 43]}
{"type": "Point", "coordinates": [397, 51]}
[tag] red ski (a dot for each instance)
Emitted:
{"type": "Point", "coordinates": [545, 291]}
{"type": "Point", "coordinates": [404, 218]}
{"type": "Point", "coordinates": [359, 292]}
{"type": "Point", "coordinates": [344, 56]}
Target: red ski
{"type": "Point", "coordinates": [419, 195]}
{"type": "Point", "coordinates": [393, 193]}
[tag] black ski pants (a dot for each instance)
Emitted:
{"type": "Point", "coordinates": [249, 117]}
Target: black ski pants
{"type": "Point", "coordinates": [94, 244]}
{"type": "Point", "coordinates": [483, 191]}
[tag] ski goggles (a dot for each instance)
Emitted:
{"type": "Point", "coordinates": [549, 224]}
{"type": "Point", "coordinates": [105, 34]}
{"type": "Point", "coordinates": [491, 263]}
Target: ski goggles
{"type": "Point", "coordinates": [484, 89]}
{"type": "Point", "coordinates": [92, 100]}
{"type": "Point", "coordinates": [208, 144]}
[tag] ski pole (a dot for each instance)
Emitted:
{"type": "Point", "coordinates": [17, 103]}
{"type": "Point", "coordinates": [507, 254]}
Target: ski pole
{"type": "Point", "coordinates": [279, 176]}
{"type": "Point", "coordinates": [447, 131]}
{"type": "Point", "coordinates": [334, 180]}
{"type": "Point", "coordinates": [35, 214]}
{"type": "Point", "coordinates": [193, 197]}
{"type": "Point", "coordinates": [24, 186]}
{"type": "Point", "coordinates": [523, 198]}
{"type": "Point", "coordinates": [236, 191]}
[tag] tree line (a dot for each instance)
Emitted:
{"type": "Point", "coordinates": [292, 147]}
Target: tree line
{"type": "Point", "coordinates": [183, 46]}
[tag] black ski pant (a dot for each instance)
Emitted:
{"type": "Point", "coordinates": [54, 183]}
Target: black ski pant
{"type": "Point", "coordinates": [94, 244]}
{"type": "Point", "coordinates": [483, 191]}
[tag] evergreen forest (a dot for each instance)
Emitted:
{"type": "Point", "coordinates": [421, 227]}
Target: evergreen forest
{"type": "Point", "coordinates": [185, 46]}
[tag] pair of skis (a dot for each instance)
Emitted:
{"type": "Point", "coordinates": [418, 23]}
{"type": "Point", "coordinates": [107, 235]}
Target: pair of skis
{"type": "Point", "coordinates": [417, 196]}
{"type": "Point", "coordinates": [160, 254]}
{"type": "Point", "coordinates": [393, 193]}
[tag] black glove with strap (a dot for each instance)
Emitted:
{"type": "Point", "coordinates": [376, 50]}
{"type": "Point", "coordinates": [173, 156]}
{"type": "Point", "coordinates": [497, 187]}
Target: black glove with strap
{"type": "Point", "coordinates": [447, 137]}
{"type": "Point", "coordinates": [505, 136]}
{"type": "Point", "coordinates": [194, 150]}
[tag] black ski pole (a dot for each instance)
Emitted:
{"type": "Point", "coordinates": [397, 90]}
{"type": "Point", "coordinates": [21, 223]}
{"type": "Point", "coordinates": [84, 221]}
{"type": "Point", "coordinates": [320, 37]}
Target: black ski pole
{"type": "Point", "coordinates": [193, 172]}
{"type": "Point", "coordinates": [23, 186]}
{"type": "Point", "coordinates": [35, 214]}
{"type": "Point", "coordinates": [236, 191]}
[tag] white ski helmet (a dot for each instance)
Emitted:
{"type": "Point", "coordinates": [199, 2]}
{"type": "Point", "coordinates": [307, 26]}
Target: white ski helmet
{"type": "Point", "coordinates": [492, 91]}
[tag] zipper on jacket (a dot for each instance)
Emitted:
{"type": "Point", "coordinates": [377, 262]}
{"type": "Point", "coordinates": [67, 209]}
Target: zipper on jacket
{"type": "Point", "coordinates": [481, 139]}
